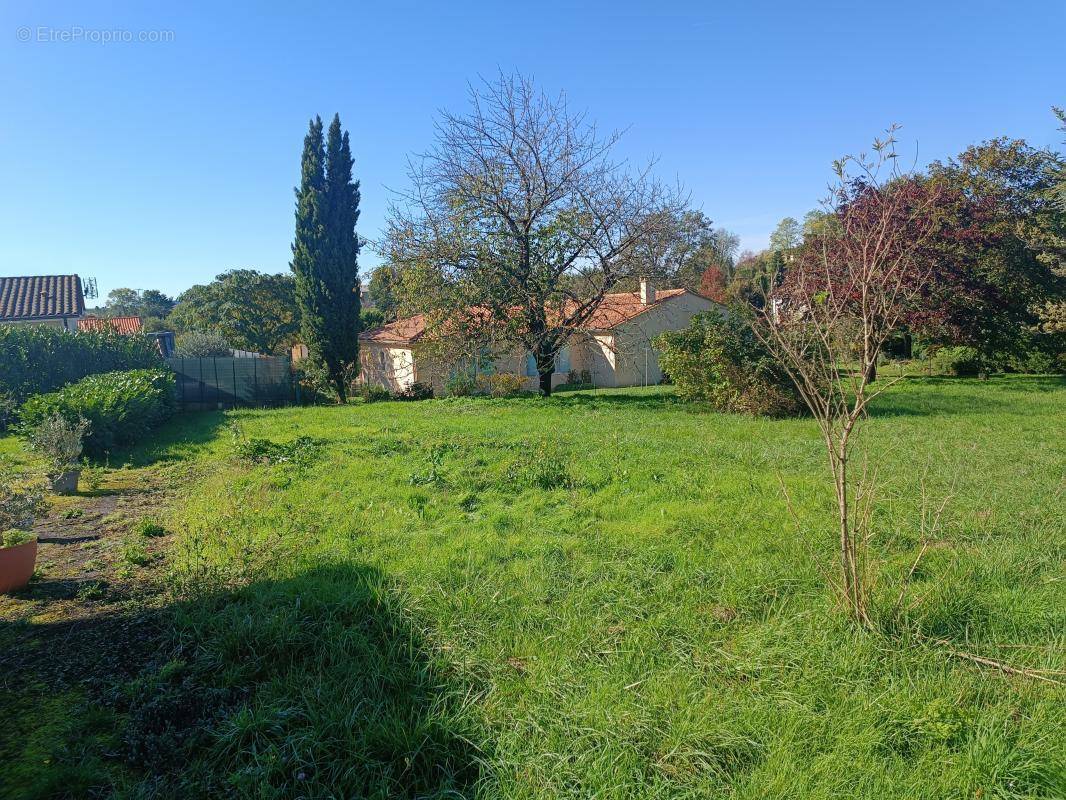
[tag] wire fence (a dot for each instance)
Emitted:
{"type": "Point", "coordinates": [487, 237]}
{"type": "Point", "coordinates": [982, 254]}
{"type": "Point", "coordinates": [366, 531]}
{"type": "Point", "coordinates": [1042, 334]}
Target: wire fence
{"type": "Point", "coordinates": [213, 383]}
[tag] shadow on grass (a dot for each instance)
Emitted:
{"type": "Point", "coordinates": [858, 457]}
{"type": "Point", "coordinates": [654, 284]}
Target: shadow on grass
{"type": "Point", "coordinates": [177, 439]}
{"type": "Point", "coordinates": [315, 686]}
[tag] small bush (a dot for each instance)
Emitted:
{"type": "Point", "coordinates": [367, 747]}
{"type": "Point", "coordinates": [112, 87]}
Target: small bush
{"type": "Point", "coordinates": [18, 505]}
{"type": "Point", "coordinates": [719, 359]}
{"type": "Point", "coordinates": [503, 384]}
{"type": "Point", "coordinates": [374, 393]}
{"type": "Point", "coordinates": [461, 385]}
{"type": "Point", "coordinates": [121, 407]}
{"type": "Point", "coordinates": [961, 361]}
{"type": "Point", "coordinates": [416, 391]}
{"type": "Point", "coordinates": [60, 441]}
{"type": "Point", "coordinates": [198, 344]}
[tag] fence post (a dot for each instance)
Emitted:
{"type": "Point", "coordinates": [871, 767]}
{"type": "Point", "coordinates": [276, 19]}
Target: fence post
{"type": "Point", "coordinates": [255, 375]}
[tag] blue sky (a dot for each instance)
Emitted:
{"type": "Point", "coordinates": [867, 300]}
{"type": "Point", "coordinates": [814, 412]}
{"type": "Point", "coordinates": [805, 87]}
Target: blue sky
{"type": "Point", "coordinates": [159, 164]}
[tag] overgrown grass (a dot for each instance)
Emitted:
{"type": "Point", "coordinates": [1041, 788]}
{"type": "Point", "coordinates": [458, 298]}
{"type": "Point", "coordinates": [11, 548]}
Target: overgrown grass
{"type": "Point", "coordinates": [603, 595]}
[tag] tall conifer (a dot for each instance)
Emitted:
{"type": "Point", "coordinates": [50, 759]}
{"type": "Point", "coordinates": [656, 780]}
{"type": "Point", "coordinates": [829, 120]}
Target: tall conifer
{"type": "Point", "coordinates": [326, 253]}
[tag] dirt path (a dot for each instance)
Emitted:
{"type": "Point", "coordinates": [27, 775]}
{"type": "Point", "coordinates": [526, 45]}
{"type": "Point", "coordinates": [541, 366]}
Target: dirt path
{"type": "Point", "coordinates": [90, 614]}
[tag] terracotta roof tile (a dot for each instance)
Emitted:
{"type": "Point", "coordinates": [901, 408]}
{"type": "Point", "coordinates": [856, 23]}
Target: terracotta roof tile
{"type": "Point", "coordinates": [40, 297]}
{"type": "Point", "coordinates": [123, 325]}
{"type": "Point", "coordinates": [613, 310]}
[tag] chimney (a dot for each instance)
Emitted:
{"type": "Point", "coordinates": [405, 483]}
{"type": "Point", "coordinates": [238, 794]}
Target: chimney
{"type": "Point", "coordinates": [647, 291]}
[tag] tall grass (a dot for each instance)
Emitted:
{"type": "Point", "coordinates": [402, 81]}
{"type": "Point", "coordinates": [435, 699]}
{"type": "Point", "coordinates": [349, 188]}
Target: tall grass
{"type": "Point", "coordinates": [603, 595]}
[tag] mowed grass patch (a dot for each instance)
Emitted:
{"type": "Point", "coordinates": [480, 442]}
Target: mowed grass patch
{"type": "Point", "coordinates": [603, 594]}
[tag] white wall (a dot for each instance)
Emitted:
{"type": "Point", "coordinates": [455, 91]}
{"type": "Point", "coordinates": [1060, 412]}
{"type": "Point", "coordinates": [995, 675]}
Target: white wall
{"type": "Point", "coordinates": [636, 359]}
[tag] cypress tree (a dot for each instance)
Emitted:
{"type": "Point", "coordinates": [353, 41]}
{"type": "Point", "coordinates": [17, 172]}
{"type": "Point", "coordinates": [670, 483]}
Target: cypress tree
{"type": "Point", "coordinates": [326, 253]}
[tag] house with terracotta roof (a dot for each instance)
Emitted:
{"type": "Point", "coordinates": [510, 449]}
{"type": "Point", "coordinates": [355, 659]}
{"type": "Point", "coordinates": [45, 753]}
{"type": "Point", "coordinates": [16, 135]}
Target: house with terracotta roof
{"type": "Point", "coordinates": [56, 300]}
{"type": "Point", "coordinates": [615, 347]}
{"type": "Point", "coordinates": [127, 326]}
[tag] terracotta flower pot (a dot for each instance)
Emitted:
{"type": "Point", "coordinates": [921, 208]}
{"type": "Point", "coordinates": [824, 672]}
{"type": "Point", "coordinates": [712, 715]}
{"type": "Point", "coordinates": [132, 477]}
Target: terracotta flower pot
{"type": "Point", "coordinates": [67, 482]}
{"type": "Point", "coordinates": [16, 565]}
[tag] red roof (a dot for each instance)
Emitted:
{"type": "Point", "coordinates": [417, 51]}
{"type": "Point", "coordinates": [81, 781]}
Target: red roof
{"type": "Point", "coordinates": [40, 297]}
{"type": "Point", "coordinates": [123, 325]}
{"type": "Point", "coordinates": [612, 311]}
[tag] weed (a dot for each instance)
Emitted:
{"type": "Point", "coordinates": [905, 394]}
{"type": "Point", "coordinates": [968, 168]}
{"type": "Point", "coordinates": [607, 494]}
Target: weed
{"type": "Point", "coordinates": [133, 553]}
{"type": "Point", "coordinates": [149, 528]}
{"type": "Point", "coordinates": [542, 470]}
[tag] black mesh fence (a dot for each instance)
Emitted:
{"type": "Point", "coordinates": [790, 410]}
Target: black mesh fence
{"type": "Point", "coordinates": [211, 383]}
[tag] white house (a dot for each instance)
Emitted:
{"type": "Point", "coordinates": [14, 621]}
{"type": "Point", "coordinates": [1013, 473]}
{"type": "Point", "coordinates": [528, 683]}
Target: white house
{"type": "Point", "coordinates": [615, 347]}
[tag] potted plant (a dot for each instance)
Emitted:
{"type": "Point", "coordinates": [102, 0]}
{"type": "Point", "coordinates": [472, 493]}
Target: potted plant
{"type": "Point", "coordinates": [60, 442]}
{"type": "Point", "coordinates": [18, 546]}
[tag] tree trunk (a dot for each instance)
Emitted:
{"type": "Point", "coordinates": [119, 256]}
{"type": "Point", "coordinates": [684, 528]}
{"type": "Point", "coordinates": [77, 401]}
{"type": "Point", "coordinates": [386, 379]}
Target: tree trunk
{"type": "Point", "coordinates": [546, 383]}
{"type": "Point", "coordinates": [871, 372]}
{"type": "Point", "coordinates": [342, 390]}
{"type": "Point", "coordinates": [545, 368]}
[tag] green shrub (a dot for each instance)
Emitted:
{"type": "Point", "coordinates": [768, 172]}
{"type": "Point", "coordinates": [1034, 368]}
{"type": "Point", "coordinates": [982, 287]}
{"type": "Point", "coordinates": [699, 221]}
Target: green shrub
{"type": "Point", "coordinates": [718, 358]}
{"type": "Point", "coordinates": [960, 361]}
{"type": "Point", "coordinates": [18, 505]}
{"type": "Point", "coordinates": [374, 393]}
{"type": "Point", "coordinates": [35, 359]}
{"type": "Point", "coordinates": [461, 384]}
{"type": "Point", "coordinates": [416, 391]}
{"type": "Point", "coordinates": [121, 407]}
{"type": "Point", "coordinates": [502, 384]}
{"type": "Point", "coordinates": [59, 440]}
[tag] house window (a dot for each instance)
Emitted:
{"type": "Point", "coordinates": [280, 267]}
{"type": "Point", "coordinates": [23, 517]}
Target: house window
{"type": "Point", "coordinates": [562, 360]}
{"type": "Point", "coordinates": [531, 366]}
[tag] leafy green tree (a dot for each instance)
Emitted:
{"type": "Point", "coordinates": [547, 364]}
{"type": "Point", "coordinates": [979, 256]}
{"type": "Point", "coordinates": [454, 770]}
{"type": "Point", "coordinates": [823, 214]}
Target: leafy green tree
{"type": "Point", "coordinates": [250, 310]}
{"type": "Point", "coordinates": [155, 304]}
{"type": "Point", "coordinates": [125, 302]}
{"type": "Point", "coordinates": [122, 302]}
{"type": "Point", "coordinates": [787, 236]}
{"type": "Point", "coordinates": [325, 253]}
{"type": "Point", "coordinates": [382, 288]}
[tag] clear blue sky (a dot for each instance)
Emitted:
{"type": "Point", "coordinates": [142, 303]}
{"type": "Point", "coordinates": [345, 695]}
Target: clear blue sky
{"type": "Point", "coordinates": [161, 164]}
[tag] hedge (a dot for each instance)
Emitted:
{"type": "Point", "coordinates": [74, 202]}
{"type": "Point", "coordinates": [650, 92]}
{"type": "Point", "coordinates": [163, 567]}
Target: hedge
{"type": "Point", "coordinates": [37, 358]}
{"type": "Point", "coordinates": [121, 406]}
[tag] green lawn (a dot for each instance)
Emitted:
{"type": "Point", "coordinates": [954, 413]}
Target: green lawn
{"type": "Point", "coordinates": [603, 595]}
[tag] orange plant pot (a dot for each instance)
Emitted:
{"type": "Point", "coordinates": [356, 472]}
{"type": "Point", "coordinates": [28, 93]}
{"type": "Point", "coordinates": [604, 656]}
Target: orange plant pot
{"type": "Point", "coordinates": [16, 565]}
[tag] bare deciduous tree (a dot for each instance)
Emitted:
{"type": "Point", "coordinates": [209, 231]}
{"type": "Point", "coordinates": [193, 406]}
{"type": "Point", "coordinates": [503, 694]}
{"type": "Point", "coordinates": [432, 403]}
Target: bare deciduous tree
{"type": "Point", "coordinates": [520, 212]}
{"type": "Point", "coordinates": [838, 302]}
